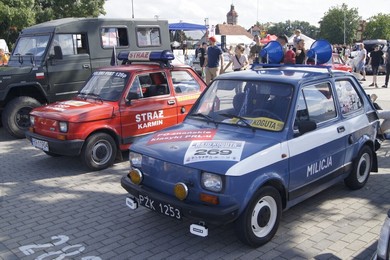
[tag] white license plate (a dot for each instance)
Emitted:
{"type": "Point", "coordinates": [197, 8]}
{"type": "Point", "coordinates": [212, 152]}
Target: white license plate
{"type": "Point", "coordinates": [159, 206]}
{"type": "Point", "coordinates": [43, 145]}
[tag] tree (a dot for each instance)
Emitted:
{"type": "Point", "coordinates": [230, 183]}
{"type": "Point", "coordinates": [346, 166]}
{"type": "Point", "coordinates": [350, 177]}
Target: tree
{"type": "Point", "coordinates": [289, 27]}
{"type": "Point", "coordinates": [339, 25]}
{"type": "Point", "coordinates": [378, 27]}
{"type": "Point", "coordinates": [17, 15]}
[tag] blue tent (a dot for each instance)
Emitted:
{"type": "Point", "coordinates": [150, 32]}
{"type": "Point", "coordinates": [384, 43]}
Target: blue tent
{"type": "Point", "coordinates": [186, 27]}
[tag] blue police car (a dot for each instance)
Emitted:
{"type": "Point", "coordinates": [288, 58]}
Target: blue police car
{"type": "Point", "coordinates": [256, 143]}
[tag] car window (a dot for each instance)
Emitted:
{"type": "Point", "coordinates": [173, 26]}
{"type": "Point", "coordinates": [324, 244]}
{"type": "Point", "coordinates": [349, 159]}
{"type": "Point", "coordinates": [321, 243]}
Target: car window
{"type": "Point", "coordinates": [184, 82]}
{"type": "Point", "coordinates": [315, 103]}
{"type": "Point", "coordinates": [149, 85]}
{"type": "Point", "coordinates": [348, 97]}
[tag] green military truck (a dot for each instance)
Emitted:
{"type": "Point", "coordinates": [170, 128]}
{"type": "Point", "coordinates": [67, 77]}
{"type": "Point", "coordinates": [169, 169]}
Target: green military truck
{"type": "Point", "coordinates": [52, 60]}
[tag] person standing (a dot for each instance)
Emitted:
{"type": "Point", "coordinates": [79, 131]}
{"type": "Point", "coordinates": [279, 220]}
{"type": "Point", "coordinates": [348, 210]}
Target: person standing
{"type": "Point", "coordinates": [255, 50]}
{"type": "Point", "coordinates": [360, 67]}
{"type": "Point", "coordinates": [214, 60]}
{"type": "Point", "coordinates": [202, 57]}
{"type": "Point", "coordinates": [3, 58]}
{"type": "Point", "coordinates": [387, 61]}
{"type": "Point", "coordinates": [239, 59]}
{"type": "Point", "coordinates": [297, 37]}
{"type": "Point", "coordinates": [300, 52]}
{"type": "Point", "coordinates": [375, 60]}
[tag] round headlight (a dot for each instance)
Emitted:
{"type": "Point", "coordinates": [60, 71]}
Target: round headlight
{"type": "Point", "coordinates": [212, 182]}
{"type": "Point", "coordinates": [135, 176]}
{"type": "Point", "coordinates": [181, 191]}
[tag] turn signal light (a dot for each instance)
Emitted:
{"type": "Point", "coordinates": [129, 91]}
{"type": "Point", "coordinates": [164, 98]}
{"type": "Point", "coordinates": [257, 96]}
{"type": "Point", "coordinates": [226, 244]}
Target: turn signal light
{"type": "Point", "coordinates": [211, 199]}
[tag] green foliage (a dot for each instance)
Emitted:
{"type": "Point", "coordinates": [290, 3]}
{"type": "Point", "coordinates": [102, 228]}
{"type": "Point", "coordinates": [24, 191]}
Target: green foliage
{"type": "Point", "coordinates": [18, 14]}
{"type": "Point", "coordinates": [340, 22]}
{"type": "Point", "coordinates": [378, 27]}
{"type": "Point", "coordinates": [289, 27]}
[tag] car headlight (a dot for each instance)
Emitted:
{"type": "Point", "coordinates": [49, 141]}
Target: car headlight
{"type": "Point", "coordinates": [135, 159]}
{"type": "Point", "coordinates": [383, 242]}
{"type": "Point", "coordinates": [212, 182]}
{"type": "Point", "coordinates": [63, 127]}
{"type": "Point", "coordinates": [32, 120]}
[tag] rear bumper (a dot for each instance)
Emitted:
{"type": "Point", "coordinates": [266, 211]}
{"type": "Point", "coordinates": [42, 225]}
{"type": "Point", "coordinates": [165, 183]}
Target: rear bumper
{"type": "Point", "coordinates": [60, 147]}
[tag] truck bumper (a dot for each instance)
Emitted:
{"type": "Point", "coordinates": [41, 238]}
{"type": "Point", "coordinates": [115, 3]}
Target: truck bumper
{"type": "Point", "coordinates": [60, 147]}
{"type": "Point", "coordinates": [209, 214]}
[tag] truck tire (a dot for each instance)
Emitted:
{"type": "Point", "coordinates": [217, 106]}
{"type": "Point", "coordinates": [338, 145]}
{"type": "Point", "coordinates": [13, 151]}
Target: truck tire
{"type": "Point", "coordinates": [362, 164]}
{"type": "Point", "coordinates": [16, 118]}
{"type": "Point", "coordinates": [99, 151]}
{"type": "Point", "coordinates": [260, 220]}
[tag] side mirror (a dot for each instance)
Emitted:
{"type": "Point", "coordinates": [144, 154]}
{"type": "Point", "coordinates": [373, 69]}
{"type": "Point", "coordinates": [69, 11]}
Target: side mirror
{"type": "Point", "coordinates": [130, 97]}
{"type": "Point", "coordinates": [57, 53]}
{"type": "Point", "coordinates": [306, 126]}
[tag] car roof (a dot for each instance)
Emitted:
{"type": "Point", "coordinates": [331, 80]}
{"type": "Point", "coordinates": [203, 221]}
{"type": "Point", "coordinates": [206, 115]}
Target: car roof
{"type": "Point", "coordinates": [139, 67]}
{"type": "Point", "coordinates": [284, 74]}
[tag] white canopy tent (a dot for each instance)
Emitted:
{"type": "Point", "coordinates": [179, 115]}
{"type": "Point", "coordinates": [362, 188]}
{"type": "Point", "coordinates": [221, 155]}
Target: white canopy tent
{"type": "Point", "coordinates": [308, 41]}
{"type": "Point", "coordinates": [235, 39]}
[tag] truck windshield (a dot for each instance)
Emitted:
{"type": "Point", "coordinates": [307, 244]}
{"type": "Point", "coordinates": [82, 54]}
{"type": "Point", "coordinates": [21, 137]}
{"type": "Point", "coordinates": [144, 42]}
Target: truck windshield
{"type": "Point", "coordinates": [105, 85]}
{"type": "Point", "coordinates": [255, 104]}
{"type": "Point", "coordinates": [31, 45]}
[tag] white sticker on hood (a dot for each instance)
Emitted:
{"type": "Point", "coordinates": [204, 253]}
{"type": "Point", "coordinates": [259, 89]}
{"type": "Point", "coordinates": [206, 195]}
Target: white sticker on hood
{"type": "Point", "coordinates": [214, 150]}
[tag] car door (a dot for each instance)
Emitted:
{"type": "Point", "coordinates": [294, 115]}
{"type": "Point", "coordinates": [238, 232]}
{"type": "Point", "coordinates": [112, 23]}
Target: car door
{"type": "Point", "coordinates": [186, 88]}
{"type": "Point", "coordinates": [68, 74]}
{"type": "Point", "coordinates": [148, 108]}
{"type": "Point", "coordinates": [316, 157]}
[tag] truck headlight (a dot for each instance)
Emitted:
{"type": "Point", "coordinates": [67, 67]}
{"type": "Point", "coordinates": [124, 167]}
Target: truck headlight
{"type": "Point", "coordinates": [135, 159]}
{"type": "Point", "coordinates": [63, 127]}
{"type": "Point", "coordinates": [383, 242]}
{"type": "Point", "coordinates": [211, 182]}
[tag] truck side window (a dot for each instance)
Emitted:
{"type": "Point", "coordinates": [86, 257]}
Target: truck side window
{"type": "Point", "coordinates": [148, 36]}
{"type": "Point", "coordinates": [114, 36]}
{"type": "Point", "coordinates": [71, 44]}
{"type": "Point", "coordinates": [184, 82]}
{"type": "Point", "coordinates": [349, 99]}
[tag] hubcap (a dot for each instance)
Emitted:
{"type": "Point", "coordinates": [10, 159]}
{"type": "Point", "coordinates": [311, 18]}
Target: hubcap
{"type": "Point", "coordinates": [264, 216]}
{"type": "Point", "coordinates": [101, 152]}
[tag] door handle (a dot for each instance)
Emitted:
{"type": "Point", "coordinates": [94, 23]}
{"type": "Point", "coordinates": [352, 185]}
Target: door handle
{"type": "Point", "coordinates": [171, 102]}
{"type": "Point", "coordinates": [86, 66]}
{"type": "Point", "coordinates": [340, 129]}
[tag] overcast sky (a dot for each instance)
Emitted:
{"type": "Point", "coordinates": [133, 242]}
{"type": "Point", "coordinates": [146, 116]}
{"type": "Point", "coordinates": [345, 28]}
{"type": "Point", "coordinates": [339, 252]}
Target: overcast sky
{"type": "Point", "coordinates": [249, 11]}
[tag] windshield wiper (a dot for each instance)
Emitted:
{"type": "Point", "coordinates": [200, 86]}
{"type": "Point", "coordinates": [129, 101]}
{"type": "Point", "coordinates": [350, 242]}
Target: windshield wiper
{"type": "Point", "coordinates": [240, 119]}
{"type": "Point", "coordinates": [208, 118]}
{"type": "Point", "coordinates": [84, 94]}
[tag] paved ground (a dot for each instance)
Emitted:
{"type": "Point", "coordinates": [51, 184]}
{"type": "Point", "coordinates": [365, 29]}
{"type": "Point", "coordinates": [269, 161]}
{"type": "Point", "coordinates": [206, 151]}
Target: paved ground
{"type": "Point", "coordinates": [53, 207]}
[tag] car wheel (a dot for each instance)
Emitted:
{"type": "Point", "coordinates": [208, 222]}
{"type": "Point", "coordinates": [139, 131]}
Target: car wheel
{"type": "Point", "coordinates": [358, 177]}
{"type": "Point", "coordinates": [16, 115]}
{"type": "Point", "coordinates": [99, 151]}
{"type": "Point", "coordinates": [260, 220]}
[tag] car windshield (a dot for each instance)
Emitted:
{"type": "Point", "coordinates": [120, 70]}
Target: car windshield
{"type": "Point", "coordinates": [255, 104]}
{"type": "Point", "coordinates": [105, 85]}
{"type": "Point", "coordinates": [31, 45]}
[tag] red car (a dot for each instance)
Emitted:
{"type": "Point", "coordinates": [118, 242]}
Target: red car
{"type": "Point", "coordinates": [338, 63]}
{"type": "Point", "coordinates": [116, 105]}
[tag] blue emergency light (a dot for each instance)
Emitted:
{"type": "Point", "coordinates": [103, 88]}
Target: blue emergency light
{"type": "Point", "coordinates": [156, 56]}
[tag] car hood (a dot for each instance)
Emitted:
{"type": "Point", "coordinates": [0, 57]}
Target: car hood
{"type": "Point", "coordinates": [75, 110]}
{"type": "Point", "coordinates": [206, 147]}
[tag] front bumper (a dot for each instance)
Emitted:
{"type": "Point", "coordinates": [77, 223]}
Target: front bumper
{"type": "Point", "coordinates": [208, 214]}
{"type": "Point", "coordinates": [60, 147]}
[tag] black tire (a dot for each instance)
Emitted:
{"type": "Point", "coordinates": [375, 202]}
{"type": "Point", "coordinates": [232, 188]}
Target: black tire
{"type": "Point", "coordinates": [99, 151]}
{"type": "Point", "coordinates": [260, 220]}
{"type": "Point", "coordinates": [362, 164]}
{"type": "Point", "coordinates": [16, 115]}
